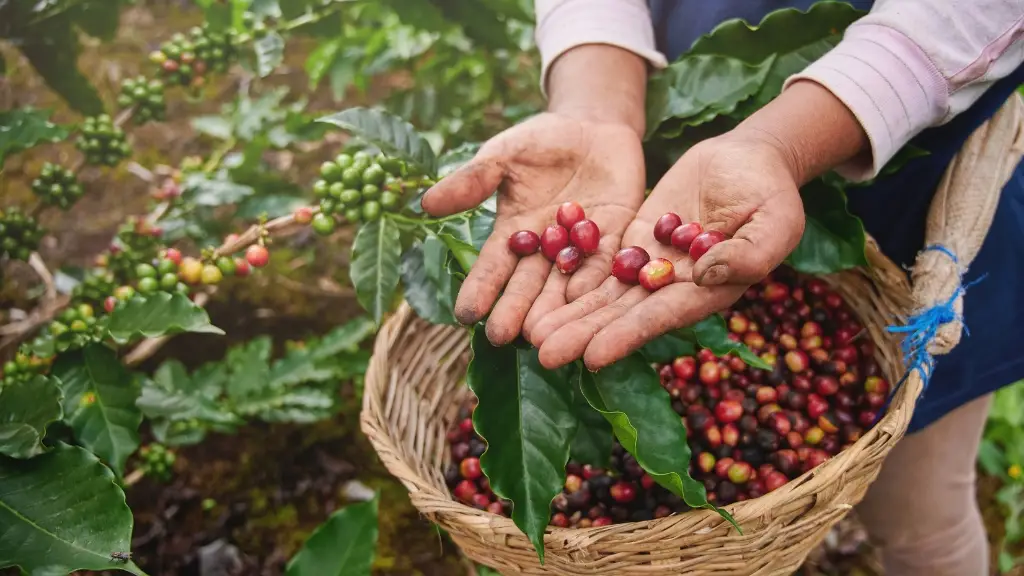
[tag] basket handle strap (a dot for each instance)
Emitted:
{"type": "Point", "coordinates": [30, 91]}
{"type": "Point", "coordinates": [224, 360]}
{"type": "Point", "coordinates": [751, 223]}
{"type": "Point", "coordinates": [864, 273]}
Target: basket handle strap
{"type": "Point", "coordinates": [960, 216]}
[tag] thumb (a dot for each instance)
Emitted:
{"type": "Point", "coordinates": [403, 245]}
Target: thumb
{"type": "Point", "coordinates": [760, 244]}
{"type": "Point", "coordinates": [465, 188]}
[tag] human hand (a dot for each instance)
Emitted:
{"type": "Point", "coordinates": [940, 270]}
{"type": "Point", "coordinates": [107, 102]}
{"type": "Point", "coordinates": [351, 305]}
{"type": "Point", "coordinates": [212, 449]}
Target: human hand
{"type": "Point", "coordinates": [742, 184]}
{"type": "Point", "coordinates": [536, 166]}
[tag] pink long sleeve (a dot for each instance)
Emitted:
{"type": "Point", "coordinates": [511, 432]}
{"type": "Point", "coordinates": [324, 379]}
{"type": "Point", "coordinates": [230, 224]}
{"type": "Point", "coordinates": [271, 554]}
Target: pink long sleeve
{"type": "Point", "coordinates": [565, 24]}
{"type": "Point", "coordinates": [912, 64]}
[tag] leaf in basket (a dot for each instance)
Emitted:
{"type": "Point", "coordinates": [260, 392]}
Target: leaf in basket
{"type": "Point", "coordinates": [593, 442]}
{"type": "Point", "coordinates": [525, 416]}
{"type": "Point", "coordinates": [630, 396]}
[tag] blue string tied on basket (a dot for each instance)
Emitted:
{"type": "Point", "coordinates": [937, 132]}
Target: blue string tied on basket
{"type": "Point", "coordinates": [921, 328]}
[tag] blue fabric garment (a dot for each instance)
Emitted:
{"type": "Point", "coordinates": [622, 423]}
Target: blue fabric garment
{"type": "Point", "coordinates": [894, 211]}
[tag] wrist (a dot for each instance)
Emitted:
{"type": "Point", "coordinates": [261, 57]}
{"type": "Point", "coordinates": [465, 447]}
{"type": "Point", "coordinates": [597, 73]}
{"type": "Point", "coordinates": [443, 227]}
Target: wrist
{"type": "Point", "coordinates": [810, 128]}
{"type": "Point", "coordinates": [599, 83]}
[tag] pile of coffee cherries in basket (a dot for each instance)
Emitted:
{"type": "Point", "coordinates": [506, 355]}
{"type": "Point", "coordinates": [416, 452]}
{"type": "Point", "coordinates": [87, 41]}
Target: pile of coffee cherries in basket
{"type": "Point", "coordinates": [574, 237]}
{"type": "Point", "coordinates": [750, 430]}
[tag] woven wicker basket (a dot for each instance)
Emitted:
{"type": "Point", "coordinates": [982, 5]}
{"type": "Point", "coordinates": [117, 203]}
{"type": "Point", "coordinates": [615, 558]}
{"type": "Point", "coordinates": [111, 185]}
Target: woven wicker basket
{"type": "Point", "coordinates": [415, 385]}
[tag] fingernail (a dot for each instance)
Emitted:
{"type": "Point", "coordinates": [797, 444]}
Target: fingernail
{"type": "Point", "coordinates": [714, 275]}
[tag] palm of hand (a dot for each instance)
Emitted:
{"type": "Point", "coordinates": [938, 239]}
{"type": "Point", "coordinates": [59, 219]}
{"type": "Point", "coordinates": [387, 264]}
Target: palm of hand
{"type": "Point", "coordinates": [738, 187]}
{"type": "Point", "coordinates": [537, 166]}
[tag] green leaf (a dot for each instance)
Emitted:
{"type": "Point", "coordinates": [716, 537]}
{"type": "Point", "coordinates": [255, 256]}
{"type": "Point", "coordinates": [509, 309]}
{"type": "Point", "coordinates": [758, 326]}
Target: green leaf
{"type": "Point", "coordinates": [630, 396]}
{"type": "Point", "coordinates": [156, 315]}
{"type": "Point", "coordinates": [23, 128]}
{"type": "Point", "coordinates": [98, 19]}
{"type": "Point", "coordinates": [302, 405]}
{"type": "Point", "coordinates": [27, 407]}
{"type": "Point", "coordinates": [321, 59]}
{"type": "Point", "coordinates": [667, 347]}
{"type": "Point", "coordinates": [269, 53]}
{"type": "Point", "coordinates": [472, 228]}
{"type": "Point", "coordinates": [388, 132]}
{"type": "Point", "coordinates": [54, 55]}
{"type": "Point", "coordinates": [453, 159]}
{"type": "Point", "coordinates": [795, 38]}
{"type": "Point", "coordinates": [833, 239]}
{"type": "Point", "coordinates": [343, 339]}
{"type": "Point", "coordinates": [249, 364]}
{"type": "Point", "coordinates": [343, 72]}
{"type": "Point", "coordinates": [593, 442]}
{"type": "Point", "coordinates": [343, 545]}
{"type": "Point", "coordinates": [428, 286]}
{"type": "Point", "coordinates": [65, 513]}
{"type": "Point", "coordinates": [99, 403]}
{"type": "Point", "coordinates": [525, 416]}
{"type": "Point", "coordinates": [214, 126]}
{"type": "Point", "coordinates": [203, 191]}
{"type": "Point", "coordinates": [712, 333]}
{"type": "Point", "coordinates": [268, 8]}
{"type": "Point", "coordinates": [172, 394]}
{"type": "Point", "coordinates": [465, 254]}
{"type": "Point", "coordinates": [376, 253]}
{"type": "Point", "coordinates": [697, 88]}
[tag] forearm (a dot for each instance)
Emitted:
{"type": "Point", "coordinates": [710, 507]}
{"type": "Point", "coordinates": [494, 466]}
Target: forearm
{"type": "Point", "coordinates": [599, 83]}
{"type": "Point", "coordinates": [812, 128]}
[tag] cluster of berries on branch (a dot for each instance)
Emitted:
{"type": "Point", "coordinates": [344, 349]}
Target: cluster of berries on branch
{"type": "Point", "coordinates": [20, 234]}
{"type": "Point", "coordinates": [103, 143]}
{"type": "Point", "coordinates": [358, 188]}
{"type": "Point", "coordinates": [157, 461]}
{"type": "Point", "coordinates": [186, 60]}
{"type": "Point", "coordinates": [57, 186]}
{"type": "Point", "coordinates": [146, 96]}
{"type": "Point", "coordinates": [750, 430]}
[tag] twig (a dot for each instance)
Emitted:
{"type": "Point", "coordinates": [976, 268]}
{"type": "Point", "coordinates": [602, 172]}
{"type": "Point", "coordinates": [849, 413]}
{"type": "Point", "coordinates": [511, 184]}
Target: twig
{"type": "Point", "coordinates": [13, 332]}
{"type": "Point", "coordinates": [134, 477]}
{"type": "Point", "coordinates": [37, 264]}
{"type": "Point", "coordinates": [253, 234]}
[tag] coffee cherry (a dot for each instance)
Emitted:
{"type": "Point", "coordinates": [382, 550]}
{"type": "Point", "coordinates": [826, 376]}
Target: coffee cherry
{"type": "Point", "coordinates": [664, 227]}
{"type": "Point", "coordinates": [148, 285]}
{"type": "Point", "coordinates": [569, 213]}
{"type": "Point", "coordinates": [876, 385]}
{"type": "Point", "coordinates": [573, 483]}
{"type": "Point", "coordinates": [796, 361]}
{"type": "Point", "coordinates": [470, 468]}
{"type": "Point", "coordinates": [303, 215]}
{"type": "Point", "coordinates": [601, 521]}
{"type": "Point", "coordinates": [322, 224]}
{"type": "Point", "coordinates": [560, 520]}
{"type": "Point", "coordinates": [826, 385]}
{"type": "Point", "coordinates": [728, 411]}
{"type": "Point", "coordinates": [464, 491]}
{"type": "Point", "coordinates": [191, 270]}
{"type": "Point", "coordinates": [656, 274]}
{"type": "Point", "coordinates": [627, 262]}
{"type": "Point", "coordinates": [553, 240]}
{"type": "Point", "coordinates": [774, 480]}
{"type": "Point", "coordinates": [703, 242]}
{"type": "Point", "coordinates": [586, 236]}
{"type": "Point", "coordinates": [242, 268]}
{"type": "Point", "coordinates": [739, 472]}
{"type": "Point", "coordinates": [524, 243]}
{"type": "Point", "coordinates": [623, 492]}
{"type": "Point", "coordinates": [569, 260]}
{"type": "Point", "coordinates": [211, 274]}
{"type": "Point", "coordinates": [109, 303]}
{"type": "Point", "coordinates": [682, 237]}
{"type": "Point", "coordinates": [258, 256]}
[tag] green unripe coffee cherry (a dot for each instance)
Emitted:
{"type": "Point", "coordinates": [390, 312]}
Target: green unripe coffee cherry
{"type": "Point", "coordinates": [226, 265]}
{"type": "Point", "coordinates": [371, 211]}
{"type": "Point", "coordinates": [58, 328]}
{"type": "Point", "coordinates": [371, 192]}
{"type": "Point", "coordinates": [85, 311]}
{"type": "Point", "coordinates": [350, 198]}
{"type": "Point", "coordinates": [388, 200]}
{"type": "Point", "coordinates": [211, 274]}
{"type": "Point", "coordinates": [361, 155]}
{"type": "Point", "coordinates": [169, 281]}
{"type": "Point", "coordinates": [373, 175]}
{"type": "Point", "coordinates": [320, 188]}
{"type": "Point", "coordinates": [145, 271]}
{"type": "Point", "coordinates": [352, 178]}
{"type": "Point", "coordinates": [322, 224]}
{"type": "Point", "coordinates": [344, 160]}
{"type": "Point", "coordinates": [79, 326]}
{"type": "Point", "coordinates": [124, 293]}
{"type": "Point", "coordinates": [148, 285]}
{"type": "Point", "coordinates": [330, 171]}
{"type": "Point", "coordinates": [353, 215]}
{"type": "Point", "coordinates": [166, 266]}
{"type": "Point", "coordinates": [392, 166]}
{"type": "Point", "coordinates": [69, 315]}
{"type": "Point", "coordinates": [328, 206]}
{"type": "Point", "coordinates": [336, 190]}
{"type": "Point", "coordinates": [182, 288]}
{"type": "Point", "coordinates": [361, 164]}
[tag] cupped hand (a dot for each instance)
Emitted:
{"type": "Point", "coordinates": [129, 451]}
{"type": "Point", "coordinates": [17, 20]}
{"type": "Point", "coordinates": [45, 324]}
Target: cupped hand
{"type": "Point", "coordinates": [535, 167]}
{"type": "Point", "coordinates": [741, 184]}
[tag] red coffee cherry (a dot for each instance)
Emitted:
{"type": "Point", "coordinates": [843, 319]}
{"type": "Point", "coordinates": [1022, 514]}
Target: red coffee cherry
{"type": "Point", "coordinates": [585, 235]}
{"type": "Point", "coordinates": [656, 274]}
{"type": "Point", "coordinates": [552, 240]}
{"type": "Point", "coordinates": [703, 242]}
{"type": "Point", "coordinates": [569, 213]}
{"type": "Point", "coordinates": [627, 263]}
{"type": "Point", "coordinates": [524, 243]}
{"type": "Point", "coordinates": [569, 260]}
{"type": "Point", "coordinates": [683, 235]}
{"type": "Point", "coordinates": [664, 227]}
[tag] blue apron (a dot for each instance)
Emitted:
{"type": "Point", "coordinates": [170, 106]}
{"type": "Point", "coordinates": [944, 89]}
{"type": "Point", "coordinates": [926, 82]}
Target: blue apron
{"type": "Point", "coordinates": [894, 211]}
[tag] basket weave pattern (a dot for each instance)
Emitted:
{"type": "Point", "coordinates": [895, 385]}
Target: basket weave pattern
{"type": "Point", "coordinates": [415, 384]}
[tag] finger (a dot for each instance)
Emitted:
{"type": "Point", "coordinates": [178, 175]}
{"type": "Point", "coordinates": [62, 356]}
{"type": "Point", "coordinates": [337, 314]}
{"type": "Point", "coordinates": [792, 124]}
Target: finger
{"type": "Point", "coordinates": [675, 306]}
{"type": "Point", "coordinates": [551, 298]}
{"type": "Point", "coordinates": [609, 291]}
{"type": "Point", "coordinates": [506, 320]}
{"type": "Point", "coordinates": [570, 341]}
{"type": "Point", "coordinates": [758, 246]}
{"type": "Point", "coordinates": [596, 268]}
{"type": "Point", "coordinates": [485, 280]}
{"type": "Point", "coordinates": [465, 188]}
